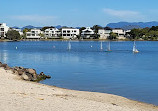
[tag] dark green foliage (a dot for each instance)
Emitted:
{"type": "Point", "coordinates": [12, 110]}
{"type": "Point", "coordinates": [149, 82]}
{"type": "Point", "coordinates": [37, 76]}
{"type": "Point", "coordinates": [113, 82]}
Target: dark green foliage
{"type": "Point", "coordinates": [112, 36]}
{"type": "Point", "coordinates": [145, 33]}
{"type": "Point", "coordinates": [96, 28]}
{"type": "Point", "coordinates": [13, 35]}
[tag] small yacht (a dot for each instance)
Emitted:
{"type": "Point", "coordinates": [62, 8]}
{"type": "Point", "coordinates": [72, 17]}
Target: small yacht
{"type": "Point", "coordinates": [135, 50]}
{"type": "Point", "coordinates": [69, 45]}
{"type": "Point", "coordinates": [101, 45]}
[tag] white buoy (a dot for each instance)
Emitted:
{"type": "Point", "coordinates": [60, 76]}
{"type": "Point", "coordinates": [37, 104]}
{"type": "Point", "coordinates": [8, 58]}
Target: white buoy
{"type": "Point", "coordinates": [16, 47]}
{"type": "Point", "coordinates": [91, 46]}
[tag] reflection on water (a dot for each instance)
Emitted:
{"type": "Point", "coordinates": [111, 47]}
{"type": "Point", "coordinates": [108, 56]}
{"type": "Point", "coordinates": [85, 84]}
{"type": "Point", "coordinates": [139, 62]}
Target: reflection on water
{"type": "Point", "coordinates": [88, 68]}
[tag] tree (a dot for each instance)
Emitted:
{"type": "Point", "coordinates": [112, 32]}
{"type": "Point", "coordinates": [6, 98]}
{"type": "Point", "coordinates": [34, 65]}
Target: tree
{"type": "Point", "coordinates": [112, 36]}
{"type": "Point", "coordinates": [13, 35]}
{"type": "Point", "coordinates": [96, 28]}
{"type": "Point", "coordinates": [135, 33]}
{"type": "Point", "coordinates": [82, 28]}
{"type": "Point", "coordinates": [26, 30]}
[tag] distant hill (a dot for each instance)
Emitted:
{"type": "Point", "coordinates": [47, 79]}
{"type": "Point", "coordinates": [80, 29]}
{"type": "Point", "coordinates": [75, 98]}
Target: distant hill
{"type": "Point", "coordinates": [131, 25]}
{"type": "Point", "coordinates": [15, 27]}
{"type": "Point", "coordinates": [30, 27]}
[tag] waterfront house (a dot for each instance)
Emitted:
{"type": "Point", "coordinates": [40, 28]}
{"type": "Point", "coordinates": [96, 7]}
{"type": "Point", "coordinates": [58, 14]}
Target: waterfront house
{"type": "Point", "coordinates": [3, 30]}
{"type": "Point", "coordinates": [87, 33]}
{"type": "Point", "coordinates": [104, 33]}
{"type": "Point", "coordinates": [69, 33]}
{"type": "Point", "coordinates": [52, 33]}
{"type": "Point", "coordinates": [34, 34]}
{"type": "Point", "coordinates": [120, 33]}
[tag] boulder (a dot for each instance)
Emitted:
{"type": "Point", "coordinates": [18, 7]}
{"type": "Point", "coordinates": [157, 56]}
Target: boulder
{"type": "Point", "coordinates": [4, 65]}
{"type": "Point", "coordinates": [31, 71]}
{"type": "Point", "coordinates": [20, 72]}
{"type": "Point", "coordinates": [7, 67]}
{"type": "Point", "coordinates": [26, 73]}
{"type": "Point", "coordinates": [25, 77]}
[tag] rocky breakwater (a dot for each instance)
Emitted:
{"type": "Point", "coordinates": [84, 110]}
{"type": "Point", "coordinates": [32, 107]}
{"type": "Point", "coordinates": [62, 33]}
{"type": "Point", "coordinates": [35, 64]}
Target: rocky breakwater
{"type": "Point", "coordinates": [26, 73]}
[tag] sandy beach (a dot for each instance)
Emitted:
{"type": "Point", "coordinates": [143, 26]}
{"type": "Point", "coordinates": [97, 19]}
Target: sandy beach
{"type": "Point", "coordinates": [20, 95]}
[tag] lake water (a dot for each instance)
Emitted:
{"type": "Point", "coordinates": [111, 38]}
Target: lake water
{"type": "Point", "coordinates": [85, 67]}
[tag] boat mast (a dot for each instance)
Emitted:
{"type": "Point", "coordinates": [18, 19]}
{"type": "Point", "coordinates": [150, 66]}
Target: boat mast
{"type": "Point", "coordinates": [101, 46]}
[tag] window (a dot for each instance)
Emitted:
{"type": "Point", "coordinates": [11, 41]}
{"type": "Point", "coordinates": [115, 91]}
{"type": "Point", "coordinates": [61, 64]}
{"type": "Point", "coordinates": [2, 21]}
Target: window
{"type": "Point", "coordinates": [64, 34]}
{"type": "Point", "coordinates": [33, 34]}
{"type": "Point", "coordinates": [68, 34]}
{"type": "Point", "coordinates": [28, 34]}
{"type": "Point", "coordinates": [74, 30]}
{"type": "Point", "coordinates": [33, 31]}
{"type": "Point", "coordinates": [2, 29]}
{"type": "Point", "coordinates": [64, 31]}
{"type": "Point", "coordinates": [68, 31]}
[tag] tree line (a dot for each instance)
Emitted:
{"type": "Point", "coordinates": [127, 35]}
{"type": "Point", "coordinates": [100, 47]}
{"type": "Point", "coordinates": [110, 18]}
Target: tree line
{"type": "Point", "coordinates": [144, 33]}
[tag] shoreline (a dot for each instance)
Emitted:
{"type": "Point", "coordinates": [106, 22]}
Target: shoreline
{"type": "Point", "coordinates": [17, 94]}
{"type": "Point", "coordinates": [71, 40]}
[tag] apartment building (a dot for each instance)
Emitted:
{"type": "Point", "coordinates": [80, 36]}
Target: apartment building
{"type": "Point", "coordinates": [69, 33]}
{"type": "Point", "coordinates": [87, 33]}
{"type": "Point", "coordinates": [104, 33]}
{"type": "Point", "coordinates": [120, 32]}
{"type": "Point", "coordinates": [52, 33]}
{"type": "Point", "coordinates": [34, 34]}
{"type": "Point", "coordinates": [3, 30]}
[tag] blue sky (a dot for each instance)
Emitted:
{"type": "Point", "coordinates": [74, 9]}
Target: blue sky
{"type": "Point", "coordinates": [76, 12]}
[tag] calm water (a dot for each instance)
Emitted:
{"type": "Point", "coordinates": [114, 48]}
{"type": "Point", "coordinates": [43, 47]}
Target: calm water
{"type": "Point", "coordinates": [86, 67]}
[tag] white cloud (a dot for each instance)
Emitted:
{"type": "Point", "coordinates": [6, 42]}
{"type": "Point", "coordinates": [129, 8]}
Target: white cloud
{"type": "Point", "coordinates": [124, 14]}
{"type": "Point", "coordinates": [35, 18]}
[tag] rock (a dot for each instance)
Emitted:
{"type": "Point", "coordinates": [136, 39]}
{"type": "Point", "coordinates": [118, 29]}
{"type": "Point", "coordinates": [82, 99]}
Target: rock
{"type": "Point", "coordinates": [25, 77]}
{"type": "Point", "coordinates": [42, 76]}
{"type": "Point", "coordinates": [20, 71]}
{"type": "Point", "coordinates": [26, 73]}
{"type": "Point", "coordinates": [31, 71]}
{"type": "Point", "coordinates": [7, 67]}
{"type": "Point", "coordinates": [48, 77]}
{"type": "Point", "coordinates": [4, 65]}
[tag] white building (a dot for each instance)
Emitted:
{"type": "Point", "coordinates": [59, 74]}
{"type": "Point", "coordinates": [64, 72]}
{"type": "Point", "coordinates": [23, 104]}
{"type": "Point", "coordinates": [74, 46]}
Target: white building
{"type": "Point", "coordinates": [104, 33]}
{"type": "Point", "coordinates": [34, 34]}
{"type": "Point", "coordinates": [120, 32]}
{"type": "Point", "coordinates": [69, 33]}
{"type": "Point", "coordinates": [87, 33]}
{"type": "Point", "coordinates": [52, 33]}
{"type": "Point", "coordinates": [3, 30]}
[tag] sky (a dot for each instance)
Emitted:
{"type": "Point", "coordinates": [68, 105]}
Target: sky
{"type": "Point", "coordinates": [76, 13]}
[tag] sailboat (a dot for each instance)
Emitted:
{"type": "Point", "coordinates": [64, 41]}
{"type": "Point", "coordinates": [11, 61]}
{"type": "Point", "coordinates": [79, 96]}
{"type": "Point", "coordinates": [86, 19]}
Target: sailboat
{"type": "Point", "coordinates": [101, 45]}
{"type": "Point", "coordinates": [69, 46]}
{"type": "Point", "coordinates": [108, 47]}
{"type": "Point", "coordinates": [134, 48]}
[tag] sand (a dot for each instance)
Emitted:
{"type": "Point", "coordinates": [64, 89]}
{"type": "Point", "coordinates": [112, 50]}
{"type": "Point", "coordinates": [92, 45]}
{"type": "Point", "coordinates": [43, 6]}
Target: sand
{"type": "Point", "coordinates": [20, 95]}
